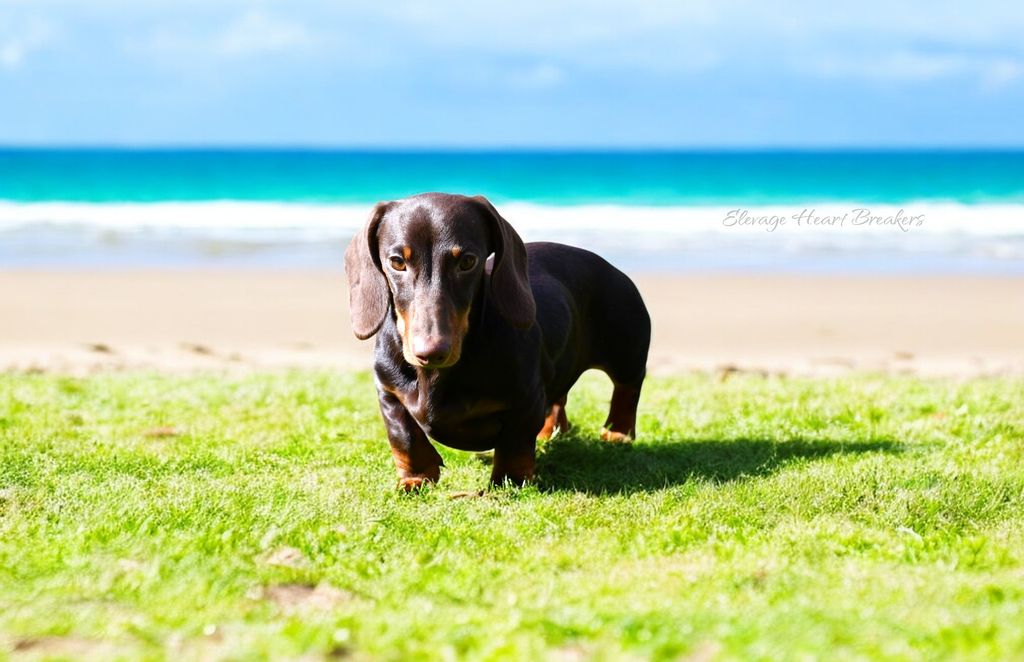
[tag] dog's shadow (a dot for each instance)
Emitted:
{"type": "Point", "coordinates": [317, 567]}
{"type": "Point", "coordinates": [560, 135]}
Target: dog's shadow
{"type": "Point", "coordinates": [580, 464]}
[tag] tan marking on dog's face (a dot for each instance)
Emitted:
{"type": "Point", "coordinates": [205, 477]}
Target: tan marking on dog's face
{"type": "Point", "coordinates": [461, 326]}
{"type": "Point", "coordinates": [407, 252]}
{"type": "Point", "coordinates": [404, 323]}
{"type": "Point", "coordinates": [457, 251]}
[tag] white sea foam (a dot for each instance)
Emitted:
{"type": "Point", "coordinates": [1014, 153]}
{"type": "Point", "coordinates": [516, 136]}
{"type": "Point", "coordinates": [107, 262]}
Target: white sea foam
{"type": "Point", "coordinates": [987, 232]}
{"type": "Point", "coordinates": [214, 216]}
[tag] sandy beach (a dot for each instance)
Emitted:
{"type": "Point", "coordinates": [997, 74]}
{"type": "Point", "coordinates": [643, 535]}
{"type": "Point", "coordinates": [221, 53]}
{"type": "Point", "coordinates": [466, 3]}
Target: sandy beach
{"type": "Point", "coordinates": [82, 322]}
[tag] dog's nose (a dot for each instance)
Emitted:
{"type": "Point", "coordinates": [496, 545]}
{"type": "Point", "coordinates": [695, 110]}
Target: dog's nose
{"type": "Point", "coordinates": [431, 349]}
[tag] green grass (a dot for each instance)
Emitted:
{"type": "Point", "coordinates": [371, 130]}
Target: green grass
{"type": "Point", "coordinates": [756, 518]}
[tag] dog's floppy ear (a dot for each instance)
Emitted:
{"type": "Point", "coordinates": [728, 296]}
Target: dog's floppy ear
{"type": "Point", "coordinates": [367, 289]}
{"type": "Point", "coordinates": [510, 281]}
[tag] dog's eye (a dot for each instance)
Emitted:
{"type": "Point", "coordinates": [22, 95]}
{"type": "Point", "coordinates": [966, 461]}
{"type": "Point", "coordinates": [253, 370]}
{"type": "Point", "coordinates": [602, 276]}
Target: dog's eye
{"type": "Point", "coordinates": [397, 263]}
{"type": "Point", "coordinates": [467, 262]}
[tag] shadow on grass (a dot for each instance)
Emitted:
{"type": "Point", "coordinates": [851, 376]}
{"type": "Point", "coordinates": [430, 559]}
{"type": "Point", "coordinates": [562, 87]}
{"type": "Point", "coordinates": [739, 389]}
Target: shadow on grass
{"type": "Point", "coordinates": [585, 465]}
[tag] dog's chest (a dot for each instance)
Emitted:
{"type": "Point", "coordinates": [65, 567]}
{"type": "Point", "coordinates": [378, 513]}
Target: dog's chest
{"type": "Point", "coordinates": [460, 419]}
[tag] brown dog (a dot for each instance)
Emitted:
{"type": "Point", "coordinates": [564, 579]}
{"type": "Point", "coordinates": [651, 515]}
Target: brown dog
{"type": "Point", "coordinates": [480, 354]}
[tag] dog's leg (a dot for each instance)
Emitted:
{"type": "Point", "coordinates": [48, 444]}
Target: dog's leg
{"type": "Point", "coordinates": [416, 460]}
{"type": "Point", "coordinates": [514, 463]}
{"type": "Point", "coordinates": [621, 424]}
{"type": "Point", "coordinates": [556, 421]}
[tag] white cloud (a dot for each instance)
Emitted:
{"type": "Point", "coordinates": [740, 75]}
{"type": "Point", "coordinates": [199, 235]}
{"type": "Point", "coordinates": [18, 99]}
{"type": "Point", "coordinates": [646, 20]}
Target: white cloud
{"type": "Point", "coordinates": [539, 77]}
{"type": "Point", "coordinates": [992, 72]}
{"type": "Point", "coordinates": [17, 42]}
{"type": "Point", "coordinates": [899, 65]}
{"type": "Point", "coordinates": [250, 34]}
{"type": "Point", "coordinates": [1002, 73]}
{"type": "Point", "coordinates": [873, 40]}
{"type": "Point", "coordinates": [257, 32]}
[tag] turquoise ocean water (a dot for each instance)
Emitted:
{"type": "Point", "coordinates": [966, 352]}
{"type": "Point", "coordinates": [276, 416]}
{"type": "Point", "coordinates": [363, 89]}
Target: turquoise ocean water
{"type": "Point", "coordinates": [646, 210]}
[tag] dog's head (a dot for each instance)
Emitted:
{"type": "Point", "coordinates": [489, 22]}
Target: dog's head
{"type": "Point", "coordinates": [424, 257]}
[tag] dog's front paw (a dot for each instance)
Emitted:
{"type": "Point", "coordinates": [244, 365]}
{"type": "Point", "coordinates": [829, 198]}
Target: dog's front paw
{"type": "Point", "coordinates": [414, 483]}
{"type": "Point", "coordinates": [410, 481]}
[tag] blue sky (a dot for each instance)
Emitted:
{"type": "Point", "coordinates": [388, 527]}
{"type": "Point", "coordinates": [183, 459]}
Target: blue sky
{"type": "Point", "coordinates": [524, 73]}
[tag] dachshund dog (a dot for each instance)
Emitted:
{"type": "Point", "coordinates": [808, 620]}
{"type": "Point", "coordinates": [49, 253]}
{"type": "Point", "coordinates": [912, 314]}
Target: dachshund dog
{"type": "Point", "coordinates": [477, 352]}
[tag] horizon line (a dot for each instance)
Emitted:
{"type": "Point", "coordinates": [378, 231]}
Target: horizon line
{"type": "Point", "coordinates": [469, 149]}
